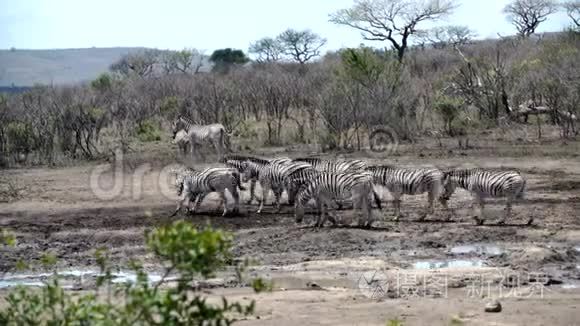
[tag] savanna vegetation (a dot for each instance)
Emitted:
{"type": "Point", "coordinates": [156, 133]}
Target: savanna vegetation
{"type": "Point", "coordinates": [417, 81]}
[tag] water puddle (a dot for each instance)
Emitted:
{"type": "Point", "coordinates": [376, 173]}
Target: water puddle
{"type": "Point", "coordinates": [487, 249]}
{"type": "Point", "coordinates": [69, 276]}
{"type": "Point", "coordinates": [455, 263]}
{"type": "Point", "coordinates": [577, 248]}
{"type": "Point", "coordinates": [570, 286]}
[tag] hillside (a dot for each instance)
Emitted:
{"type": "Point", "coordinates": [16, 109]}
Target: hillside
{"type": "Point", "coordinates": [58, 66]}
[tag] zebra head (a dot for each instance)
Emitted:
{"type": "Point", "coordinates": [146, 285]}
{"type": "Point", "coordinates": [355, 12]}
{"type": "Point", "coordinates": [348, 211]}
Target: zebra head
{"type": "Point", "coordinates": [178, 124]}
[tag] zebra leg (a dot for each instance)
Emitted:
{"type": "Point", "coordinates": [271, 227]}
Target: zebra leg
{"type": "Point", "coordinates": [198, 201]}
{"type": "Point", "coordinates": [183, 201]}
{"type": "Point", "coordinates": [479, 218]}
{"type": "Point", "coordinates": [224, 202]}
{"type": "Point", "coordinates": [508, 211]}
{"type": "Point", "coordinates": [265, 192]}
{"type": "Point", "coordinates": [429, 210]}
{"type": "Point", "coordinates": [252, 190]}
{"type": "Point", "coordinates": [277, 196]}
{"type": "Point", "coordinates": [236, 197]}
{"type": "Point", "coordinates": [397, 206]}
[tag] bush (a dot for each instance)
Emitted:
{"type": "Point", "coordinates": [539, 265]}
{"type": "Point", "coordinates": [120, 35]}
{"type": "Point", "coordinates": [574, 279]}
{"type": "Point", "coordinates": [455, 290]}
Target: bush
{"type": "Point", "coordinates": [19, 136]}
{"type": "Point", "coordinates": [183, 249]}
{"type": "Point", "coordinates": [449, 109]}
{"type": "Point", "coordinates": [148, 131]}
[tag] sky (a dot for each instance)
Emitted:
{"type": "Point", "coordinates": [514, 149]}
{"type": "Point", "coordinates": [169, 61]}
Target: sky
{"type": "Point", "coordinates": [206, 25]}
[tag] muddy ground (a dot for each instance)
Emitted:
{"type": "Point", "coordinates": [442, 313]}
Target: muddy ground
{"type": "Point", "coordinates": [339, 275]}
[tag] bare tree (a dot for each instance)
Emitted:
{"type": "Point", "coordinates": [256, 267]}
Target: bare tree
{"type": "Point", "coordinates": [184, 61]}
{"type": "Point", "coordinates": [141, 63]}
{"type": "Point", "coordinates": [573, 11]}
{"type": "Point", "coordinates": [301, 46]}
{"type": "Point", "coordinates": [267, 49]}
{"type": "Point", "coordinates": [391, 20]}
{"type": "Point", "coordinates": [453, 35]}
{"type": "Point", "coordinates": [527, 15]}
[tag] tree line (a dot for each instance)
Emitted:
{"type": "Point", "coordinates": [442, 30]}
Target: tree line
{"type": "Point", "coordinates": [437, 79]}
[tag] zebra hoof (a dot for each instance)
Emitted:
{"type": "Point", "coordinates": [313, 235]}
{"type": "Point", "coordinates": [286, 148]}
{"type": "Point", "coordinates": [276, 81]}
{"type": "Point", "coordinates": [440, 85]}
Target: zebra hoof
{"type": "Point", "coordinates": [249, 202]}
{"type": "Point", "coordinates": [501, 223]}
{"type": "Point", "coordinates": [530, 221]}
{"type": "Point", "coordinates": [478, 221]}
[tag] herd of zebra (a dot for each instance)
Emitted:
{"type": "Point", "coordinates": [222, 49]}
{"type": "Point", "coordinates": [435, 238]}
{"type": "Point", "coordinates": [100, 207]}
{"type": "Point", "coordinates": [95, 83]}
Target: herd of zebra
{"type": "Point", "coordinates": [330, 182]}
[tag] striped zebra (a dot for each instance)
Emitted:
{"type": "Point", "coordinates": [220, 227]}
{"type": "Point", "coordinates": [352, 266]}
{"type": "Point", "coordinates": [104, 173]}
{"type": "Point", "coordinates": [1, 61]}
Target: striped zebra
{"type": "Point", "coordinates": [274, 176]}
{"type": "Point", "coordinates": [199, 134]}
{"type": "Point", "coordinates": [409, 181]}
{"type": "Point", "coordinates": [329, 186]}
{"type": "Point", "coordinates": [249, 167]}
{"type": "Point", "coordinates": [193, 185]}
{"type": "Point", "coordinates": [482, 183]}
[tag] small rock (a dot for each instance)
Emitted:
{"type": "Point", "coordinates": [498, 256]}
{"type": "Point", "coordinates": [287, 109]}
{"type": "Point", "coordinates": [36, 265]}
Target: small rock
{"type": "Point", "coordinates": [493, 306]}
{"type": "Point", "coordinates": [313, 286]}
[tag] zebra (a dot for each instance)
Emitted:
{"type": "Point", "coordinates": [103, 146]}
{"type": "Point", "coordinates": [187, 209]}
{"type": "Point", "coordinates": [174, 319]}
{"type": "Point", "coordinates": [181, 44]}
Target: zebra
{"type": "Point", "coordinates": [339, 166]}
{"type": "Point", "coordinates": [249, 167]}
{"type": "Point", "coordinates": [328, 186]}
{"type": "Point", "coordinates": [274, 176]}
{"type": "Point", "coordinates": [485, 182]}
{"type": "Point", "coordinates": [409, 181]}
{"type": "Point", "coordinates": [182, 140]}
{"type": "Point", "coordinates": [194, 185]}
{"type": "Point", "coordinates": [198, 134]}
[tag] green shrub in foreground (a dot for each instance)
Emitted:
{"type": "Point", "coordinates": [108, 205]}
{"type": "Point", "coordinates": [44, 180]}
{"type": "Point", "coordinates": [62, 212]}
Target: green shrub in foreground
{"type": "Point", "coordinates": [185, 250]}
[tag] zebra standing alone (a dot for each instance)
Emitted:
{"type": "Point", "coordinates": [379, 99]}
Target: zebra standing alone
{"type": "Point", "coordinates": [196, 185]}
{"type": "Point", "coordinates": [328, 186]}
{"type": "Point", "coordinates": [409, 181]}
{"type": "Point", "coordinates": [483, 183]}
{"type": "Point", "coordinates": [198, 134]}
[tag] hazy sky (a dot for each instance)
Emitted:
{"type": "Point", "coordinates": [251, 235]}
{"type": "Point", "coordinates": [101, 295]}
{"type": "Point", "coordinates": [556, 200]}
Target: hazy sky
{"type": "Point", "coordinates": [206, 25]}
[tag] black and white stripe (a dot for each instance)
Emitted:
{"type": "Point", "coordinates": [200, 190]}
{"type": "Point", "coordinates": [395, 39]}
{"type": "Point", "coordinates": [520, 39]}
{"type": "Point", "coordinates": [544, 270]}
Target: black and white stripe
{"type": "Point", "coordinates": [482, 183]}
{"type": "Point", "coordinates": [339, 166]}
{"type": "Point", "coordinates": [249, 167]}
{"type": "Point", "coordinates": [409, 181]}
{"type": "Point", "coordinates": [329, 186]}
{"type": "Point", "coordinates": [334, 165]}
{"type": "Point", "coordinates": [275, 177]}
{"type": "Point", "coordinates": [193, 185]}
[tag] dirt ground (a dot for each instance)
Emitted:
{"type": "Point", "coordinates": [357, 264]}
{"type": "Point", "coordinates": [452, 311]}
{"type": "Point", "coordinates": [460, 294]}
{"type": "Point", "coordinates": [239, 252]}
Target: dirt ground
{"type": "Point", "coordinates": [422, 273]}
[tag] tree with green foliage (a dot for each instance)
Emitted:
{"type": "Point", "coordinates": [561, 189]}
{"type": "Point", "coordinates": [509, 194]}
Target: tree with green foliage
{"type": "Point", "coordinates": [184, 61]}
{"type": "Point", "coordinates": [224, 59]}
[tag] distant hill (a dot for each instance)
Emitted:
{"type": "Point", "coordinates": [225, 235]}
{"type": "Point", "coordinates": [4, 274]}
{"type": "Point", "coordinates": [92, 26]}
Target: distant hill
{"type": "Point", "coordinates": [58, 66]}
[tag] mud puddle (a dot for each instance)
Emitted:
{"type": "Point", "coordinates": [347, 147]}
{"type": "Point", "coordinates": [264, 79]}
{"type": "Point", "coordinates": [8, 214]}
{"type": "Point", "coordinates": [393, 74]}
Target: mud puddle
{"type": "Point", "coordinates": [68, 278]}
{"type": "Point", "coordinates": [452, 263]}
{"type": "Point", "coordinates": [480, 249]}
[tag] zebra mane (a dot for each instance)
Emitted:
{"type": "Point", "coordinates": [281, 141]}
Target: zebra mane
{"type": "Point", "coordinates": [237, 157]}
{"type": "Point", "coordinates": [309, 159]}
{"type": "Point", "coordinates": [380, 167]}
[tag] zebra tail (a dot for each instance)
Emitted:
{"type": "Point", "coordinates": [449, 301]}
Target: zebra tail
{"type": "Point", "coordinates": [377, 199]}
{"type": "Point", "coordinates": [522, 191]}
